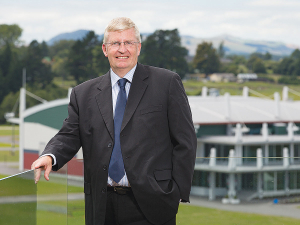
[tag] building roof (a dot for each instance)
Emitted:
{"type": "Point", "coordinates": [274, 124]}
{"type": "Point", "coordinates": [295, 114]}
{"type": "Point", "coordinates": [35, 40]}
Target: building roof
{"type": "Point", "coordinates": [239, 109]}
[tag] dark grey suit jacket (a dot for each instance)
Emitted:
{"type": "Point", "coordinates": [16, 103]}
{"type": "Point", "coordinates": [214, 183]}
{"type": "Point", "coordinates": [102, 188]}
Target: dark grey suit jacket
{"type": "Point", "coordinates": [158, 142]}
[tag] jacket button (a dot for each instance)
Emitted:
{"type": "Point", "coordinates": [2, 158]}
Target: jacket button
{"type": "Point", "coordinates": [103, 190]}
{"type": "Point", "coordinates": [109, 145]}
{"type": "Point", "coordinates": [104, 167]}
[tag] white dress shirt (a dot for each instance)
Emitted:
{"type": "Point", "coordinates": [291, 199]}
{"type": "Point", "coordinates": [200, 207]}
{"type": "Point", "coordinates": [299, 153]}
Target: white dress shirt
{"type": "Point", "coordinates": [115, 91]}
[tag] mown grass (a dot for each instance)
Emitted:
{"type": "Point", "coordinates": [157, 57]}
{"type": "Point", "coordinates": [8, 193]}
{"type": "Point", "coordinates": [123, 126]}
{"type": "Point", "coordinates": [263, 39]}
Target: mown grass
{"type": "Point", "coordinates": [6, 130]}
{"type": "Point", "coordinates": [194, 215]}
{"type": "Point", "coordinates": [9, 156]}
{"type": "Point", "coordinates": [12, 186]}
{"type": "Point", "coordinates": [18, 213]}
{"type": "Point", "coordinates": [64, 83]}
{"type": "Point", "coordinates": [267, 89]}
{"type": "Point", "coordinates": [6, 145]}
{"type": "Point", "coordinates": [187, 215]}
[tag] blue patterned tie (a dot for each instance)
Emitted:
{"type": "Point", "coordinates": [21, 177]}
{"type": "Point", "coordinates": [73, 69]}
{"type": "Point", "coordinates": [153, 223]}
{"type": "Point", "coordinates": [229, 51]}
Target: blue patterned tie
{"type": "Point", "coordinates": [116, 169]}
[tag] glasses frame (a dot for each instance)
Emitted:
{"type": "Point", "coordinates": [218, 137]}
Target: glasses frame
{"type": "Point", "coordinates": [117, 44]}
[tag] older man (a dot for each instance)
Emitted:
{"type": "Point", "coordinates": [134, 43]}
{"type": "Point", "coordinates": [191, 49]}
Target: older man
{"type": "Point", "coordinates": [135, 127]}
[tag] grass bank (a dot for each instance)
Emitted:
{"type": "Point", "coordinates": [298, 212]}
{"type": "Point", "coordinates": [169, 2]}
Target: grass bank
{"type": "Point", "coordinates": [267, 89]}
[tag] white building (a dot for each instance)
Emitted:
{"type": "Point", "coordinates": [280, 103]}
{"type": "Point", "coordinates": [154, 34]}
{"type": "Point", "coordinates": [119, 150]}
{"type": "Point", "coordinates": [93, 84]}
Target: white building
{"type": "Point", "coordinates": [222, 77]}
{"type": "Point", "coordinates": [247, 76]}
{"type": "Point", "coordinates": [246, 146]}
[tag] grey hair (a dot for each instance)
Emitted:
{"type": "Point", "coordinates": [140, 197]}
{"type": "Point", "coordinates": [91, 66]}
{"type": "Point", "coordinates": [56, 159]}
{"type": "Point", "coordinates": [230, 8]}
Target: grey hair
{"type": "Point", "coordinates": [120, 24]}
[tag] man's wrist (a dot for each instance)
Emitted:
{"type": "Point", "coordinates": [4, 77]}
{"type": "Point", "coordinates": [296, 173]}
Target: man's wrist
{"type": "Point", "coordinates": [53, 158]}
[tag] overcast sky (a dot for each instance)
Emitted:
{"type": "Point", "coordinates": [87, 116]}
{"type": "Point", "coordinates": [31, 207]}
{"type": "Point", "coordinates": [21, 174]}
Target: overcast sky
{"type": "Point", "coordinates": [272, 20]}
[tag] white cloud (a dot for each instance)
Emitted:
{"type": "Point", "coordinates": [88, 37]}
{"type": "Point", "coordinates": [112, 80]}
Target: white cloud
{"type": "Point", "coordinates": [275, 3]}
{"type": "Point", "coordinates": [265, 19]}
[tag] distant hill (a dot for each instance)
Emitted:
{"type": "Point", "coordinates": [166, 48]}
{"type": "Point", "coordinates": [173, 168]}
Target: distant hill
{"type": "Point", "coordinates": [76, 35]}
{"type": "Point", "coordinates": [232, 44]}
{"type": "Point", "coordinates": [235, 45]}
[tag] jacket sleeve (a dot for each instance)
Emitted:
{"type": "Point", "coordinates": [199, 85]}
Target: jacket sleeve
{"type": "Point", "coordinates": [183, 137]}
{"type": "Point", "coordinates": [66, 143]}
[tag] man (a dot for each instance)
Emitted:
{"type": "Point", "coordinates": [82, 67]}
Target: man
{"type": "Point", "coordinates": [135, 127]}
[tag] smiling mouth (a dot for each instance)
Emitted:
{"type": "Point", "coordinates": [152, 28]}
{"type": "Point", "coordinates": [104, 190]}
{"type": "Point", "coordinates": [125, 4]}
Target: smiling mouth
{"type": "Point", "coordinates": [122, 57]}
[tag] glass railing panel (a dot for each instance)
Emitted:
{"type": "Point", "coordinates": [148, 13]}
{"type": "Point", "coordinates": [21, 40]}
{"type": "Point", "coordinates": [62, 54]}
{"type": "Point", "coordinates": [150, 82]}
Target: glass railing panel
{"type": "Point", "coordinates": [18, 199]}
{"type": "Point", "coordinates": [52, 199]}
{"type": "Point", "coordinates": [76, 211]}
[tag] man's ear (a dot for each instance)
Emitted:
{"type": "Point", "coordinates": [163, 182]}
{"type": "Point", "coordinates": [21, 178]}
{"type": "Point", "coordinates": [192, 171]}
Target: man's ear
{"type": "Point", "coordinates": [139, 48]}
{"type": "Point", "coordinates": [104, 50]}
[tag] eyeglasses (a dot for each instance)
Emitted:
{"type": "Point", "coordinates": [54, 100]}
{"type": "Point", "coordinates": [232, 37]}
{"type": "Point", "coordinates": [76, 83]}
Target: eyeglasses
{"type": "Point", "coordinates": [117, 44]}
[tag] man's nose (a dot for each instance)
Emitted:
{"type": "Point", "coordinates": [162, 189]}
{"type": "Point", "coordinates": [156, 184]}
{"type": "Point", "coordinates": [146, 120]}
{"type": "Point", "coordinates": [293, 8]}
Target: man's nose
{"type": "Point", "coordinates": [122, 47]}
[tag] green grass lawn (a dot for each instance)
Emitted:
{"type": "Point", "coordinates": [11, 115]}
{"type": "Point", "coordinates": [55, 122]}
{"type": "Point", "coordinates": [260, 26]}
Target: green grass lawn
{"type": "Point", "coordinates": [6, 145]}
{"type": "Point", "coordinates": [6, 130]}
{"type": "Point", "coordinates": [267, 89]}
{"type": "Point", "coordinates": [55, 185]}
{"type": "Point", "coordinates": [9, 156]}
{"type": "Point", "coordinates": [187, 215]}
{"type": "Point", "coordinates": [194, 215]}
{"type": "Point", "coordinates": [18, 213]}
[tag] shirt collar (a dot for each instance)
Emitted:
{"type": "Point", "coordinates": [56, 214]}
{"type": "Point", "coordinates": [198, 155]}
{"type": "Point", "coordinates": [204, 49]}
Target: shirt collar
{"type": "Point", "coordinates": [114, 77]}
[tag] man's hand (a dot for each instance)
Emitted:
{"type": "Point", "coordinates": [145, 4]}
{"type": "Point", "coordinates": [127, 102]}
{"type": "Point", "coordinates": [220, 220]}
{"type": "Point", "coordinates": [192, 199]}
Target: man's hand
{"type": "Point", "coordinates": [43, 163]}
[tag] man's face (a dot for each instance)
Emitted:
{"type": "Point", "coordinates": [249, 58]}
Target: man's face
{"type": "Point", "coordinates": [122, 58]}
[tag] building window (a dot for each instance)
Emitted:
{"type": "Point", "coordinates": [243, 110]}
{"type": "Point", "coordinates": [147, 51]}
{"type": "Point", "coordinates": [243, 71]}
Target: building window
{"type": "Point", "coordinates": [269, 181]}
{"type": "Point", "coordinates": [293, 180]}
{"type": "Point", "coordinates": [276, 151]}
{"type": "Point", "coordinates": [249, 181]}
{"type": "Point", "coordinates": [297, 153]}
{"type": "Point", "coordinates": [249, 153]}
{"type": "Point", "coordinates": [222, 151]}
{"type": "Point", "coordinates": [221, 180]}
{"type": "Point", "coordinates": [200, 178]}
{"type": "Point", "coordinates": [280, 180]}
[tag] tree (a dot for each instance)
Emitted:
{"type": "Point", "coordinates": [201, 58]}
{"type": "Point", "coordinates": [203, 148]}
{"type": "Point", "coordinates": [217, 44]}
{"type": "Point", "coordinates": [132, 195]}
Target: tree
{"type": "Point", "coordinates": [38, 71]}
{"type": "Point", "coordinates": [290, 65]}
{"type": "Point", "coordinates": [163, 49]}
{"type": "Point", "coordinates": [5, 59]}
{"type": "Point", "coordinates": [284, 67]}
{"type": "Point", "coordinates": [258, 66]}
{"type": "Point", "coordinates": [267, 56]}
{"type": "Point", "coordinates": [296, 54]}
{"type": "Point", "coordinates": [60, 52]}
{"type": "Point", "coordinates": [9, 65]}
{"type": "Point", "coordinates": [61, 48]}
{"type": "Point", "coordinates": [206, 59]}
{"type": "Point", "coordinates": [7, 105]}
{"type": "Point", "coordinates": [9, 34]}
{"type": "Point", "coordinates": [221, 50]}
{"type": "Point", "coordinates": [80, 63]}
{"type": "Point", "coordinates": [100, 62]}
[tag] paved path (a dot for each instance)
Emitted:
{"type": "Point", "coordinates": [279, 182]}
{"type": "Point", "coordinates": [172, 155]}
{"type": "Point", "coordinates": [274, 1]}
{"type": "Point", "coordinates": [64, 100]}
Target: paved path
{"type": "Point", "coordinates": [8, 139]}
{"type": "Point", "coordinates": [9, 168]}
{"type": "Point", "coordinates": [41, 198]}
{"type": "Point", "coordinates": [263, 208]}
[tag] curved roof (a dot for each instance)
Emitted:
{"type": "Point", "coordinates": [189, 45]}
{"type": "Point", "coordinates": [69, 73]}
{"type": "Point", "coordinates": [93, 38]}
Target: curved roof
{"type": "Point", "coordinates": [239, 109]}
{"type": "Point", "coordinates": [51, 114]}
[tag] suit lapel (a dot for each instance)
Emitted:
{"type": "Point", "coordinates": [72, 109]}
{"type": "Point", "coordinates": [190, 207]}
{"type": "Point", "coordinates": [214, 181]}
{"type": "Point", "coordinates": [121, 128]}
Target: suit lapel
{"type": "Point", "coordinates": [136, 93]}
{"type": "Point", "coordinates": [104, 101]}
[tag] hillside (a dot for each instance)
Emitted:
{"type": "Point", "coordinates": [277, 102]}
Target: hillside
{"type": "Point", "coordinates": [232, 44]}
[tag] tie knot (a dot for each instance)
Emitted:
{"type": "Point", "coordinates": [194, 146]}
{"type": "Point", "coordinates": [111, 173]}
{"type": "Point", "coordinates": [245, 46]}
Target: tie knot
{"type": "Point", "coordinates": [122, 82]}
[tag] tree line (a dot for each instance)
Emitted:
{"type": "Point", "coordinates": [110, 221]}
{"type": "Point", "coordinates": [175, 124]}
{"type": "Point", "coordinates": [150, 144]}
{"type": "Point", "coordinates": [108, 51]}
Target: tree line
{"type": "Point", "coordinates": [83, 59]}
